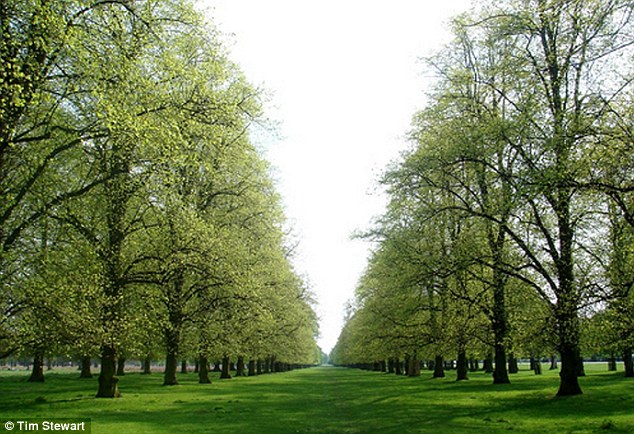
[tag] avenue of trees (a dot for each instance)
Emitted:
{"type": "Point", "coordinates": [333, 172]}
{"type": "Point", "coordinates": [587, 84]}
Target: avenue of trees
{"type": "Point", "coordinates": [510, 226]}
{"type": "Point", "coordinates": [136, 218]}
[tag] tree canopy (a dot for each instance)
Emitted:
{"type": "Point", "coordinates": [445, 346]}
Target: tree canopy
{"type": "Point", "coordinates": [136, 215]}
{"type": "Point", "coordinates": [501, 207]}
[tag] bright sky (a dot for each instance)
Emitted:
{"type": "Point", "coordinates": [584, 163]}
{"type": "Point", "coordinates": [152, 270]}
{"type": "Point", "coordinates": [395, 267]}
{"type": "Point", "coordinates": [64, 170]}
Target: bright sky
{"type": "Point", "coordinates": [345, 80]}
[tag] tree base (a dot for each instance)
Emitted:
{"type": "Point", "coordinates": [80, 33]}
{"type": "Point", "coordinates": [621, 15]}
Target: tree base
{"type": "Point", "coordinates": [108, 389]}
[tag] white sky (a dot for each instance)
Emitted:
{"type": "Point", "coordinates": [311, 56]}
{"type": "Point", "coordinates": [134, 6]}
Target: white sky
{"type": "Point", "coordinates": [345, 81]}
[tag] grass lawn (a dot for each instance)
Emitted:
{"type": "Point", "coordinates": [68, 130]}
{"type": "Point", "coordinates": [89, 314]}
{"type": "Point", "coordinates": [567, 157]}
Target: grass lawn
{"type": "Point", "coordinates": [329, 400]}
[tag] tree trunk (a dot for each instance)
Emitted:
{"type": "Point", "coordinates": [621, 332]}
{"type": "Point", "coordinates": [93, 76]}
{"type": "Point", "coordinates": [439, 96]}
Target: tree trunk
{"type": "Point", "coordinates": [612, 363]}
{"type": "Point", "coordinates": [120, 366]}
{"type": "Point", "coordinates": [488, 364]}
{"type": "Point", "coordinates": [217, 364]}
{"type": "Point", "coordinates": [474, 365]}
{"type": "Point", "coordinates": [251, 368]}
{"type": "Point", "coordinates": [397, 367]}
{"type": "Point", "coordinates": [108, 387]}
{"type": "Point", "coordinates": [225, 374]}
{"type": "Point", "coordinates": [85, 367]}
{"type": "Point", "coordinates": [462, 366]}
{"type": "Point", "coordinates": [147, 366]}
{"type": "Point", "coordinates": [500, 373]}
{"type": "Point", "coordinates": [628, 363]}
{"type": "Point", "coordinates": [184, 366]}
{"type": "Point", "coordinates": [413, 367]}
{"type": "Point", "coordinates": [240, 367]}
{"type": "Point", "coordinates": [513, 367]}
{"type": "Point", "coordinates": [553, 363]}
{"type": "Point", "coordinates": [175, 306]}
{"type": "Point", "coordinates": [37, 374]}
{"type": "Point", "coordinates": [499, 321]}
{"type": "Point", "coordinates": [171, 359]}
{"type": "Point", "coordinates": [258, 367]}
{"type": "Point", "coordinates": [568, 379]}
{"type": "Point", "coordinates": [536, 365]}
{"type": "Point", "coordinates": [439, 367]}
{"type": "Point", "coordinates": [581, 370]}
{"type": "Point", "coordinates": [118, 193]}
{"type": "Point", "coordinates": [203, 370]}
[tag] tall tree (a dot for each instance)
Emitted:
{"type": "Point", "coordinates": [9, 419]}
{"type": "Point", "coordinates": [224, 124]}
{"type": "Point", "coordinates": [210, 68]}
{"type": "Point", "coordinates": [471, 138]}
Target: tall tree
{"type": "Point", "coordinates": [555, 49]}
{"type": "Point", "coordinates": [42, 130]}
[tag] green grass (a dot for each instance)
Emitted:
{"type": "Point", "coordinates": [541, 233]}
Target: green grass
{"type": "Point", "coordinates": [329, 400]}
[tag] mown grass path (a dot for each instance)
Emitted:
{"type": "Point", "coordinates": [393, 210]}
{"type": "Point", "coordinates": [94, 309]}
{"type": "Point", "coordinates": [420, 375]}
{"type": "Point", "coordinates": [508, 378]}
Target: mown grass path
{"type": "Point", "coordinates": [329, 400]}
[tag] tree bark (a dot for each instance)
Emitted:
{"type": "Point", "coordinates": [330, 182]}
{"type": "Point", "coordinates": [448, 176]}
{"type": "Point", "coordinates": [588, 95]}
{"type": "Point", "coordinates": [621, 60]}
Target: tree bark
{"type": "Point", "coordinates": [120, 366]}
{"type": "Point", "coordinates": [439, 367]}
{"type": "Point", "coordinates": [413, 367]}
{"type": "Point", "coordinates": [553, 363]}
{"type": "Point", "coordinates": [488, 364]}
{"type": "Point", "coordinates": [184, 366]}
{"type": "Point", "coordinates": [612, 363]}
{"type": "Point", "coordinates": [85, 367]}
{"type": "Point", "coordinates": [108, 387]}
{"type": "Point", "coordinates": [568, 330]}
{"type": "Point", "coordinates": [251, 368]}
{"type": "Point", "coordinates": [225, 374]}
{"type": "Point", "coordinates": [147, 366]}
{"type": "Point", "coordinates": [474, 365]}
{"type": "Point", "coordinates": [37, 374]}
{"type": "Point", "coordinates": [397, 367]}
{"type": "Point", "coordinates": [203, 370]}
{"type": "Point", "coordinates": [568, 379]}
{"type": "Point", "coordinates": [499, 320]}
{"type": "Point", "coordinates": [175, 306]}
{"type": "Point", "coordinates": [171, 359]}
{"type": "Point", "coordinates": [513, 368]}
{"type": "Point", "coordinates": [462, 368]}
{"type": "Point", "coordinates": [581, 370]}
{"type": "Point", "coordinates": [628, 363]}
{"type": "Point", "coordinates": [240, 367]}
{"type": "Point", "coordinates": [500, 373]}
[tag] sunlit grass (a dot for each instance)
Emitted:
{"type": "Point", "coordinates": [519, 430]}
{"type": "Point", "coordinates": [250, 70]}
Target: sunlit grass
{"type": "Point", "coordinates": [330, 400]}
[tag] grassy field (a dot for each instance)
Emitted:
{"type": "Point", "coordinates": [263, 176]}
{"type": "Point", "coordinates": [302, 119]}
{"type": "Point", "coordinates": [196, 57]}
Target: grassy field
{"type": "Point", "coordinates": [329, 400]}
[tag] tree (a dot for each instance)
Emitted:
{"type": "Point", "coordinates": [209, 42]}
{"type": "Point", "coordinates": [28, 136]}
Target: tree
{"type": "Point", "coordinates": [41, 128]}
{"type": "Point", "coordinates": [174, 97]}
{"type": "Point", "coordinates": [508, 142]}
{"type": "Point", "coordinates": [620, 288]}
{"type": "Point", "coordinates": [555, 49]}
{"type": "Point", "coordinates": [125, 128]}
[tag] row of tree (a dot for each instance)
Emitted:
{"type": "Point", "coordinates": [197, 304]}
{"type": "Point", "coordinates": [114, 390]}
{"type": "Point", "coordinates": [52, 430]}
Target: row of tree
{"type": "Point", "coordinates": [136, 218]}
{"type": "Point", "coordinates": [510, 223]}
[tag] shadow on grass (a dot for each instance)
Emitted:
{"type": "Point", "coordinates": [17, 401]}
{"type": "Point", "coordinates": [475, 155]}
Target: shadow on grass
{"type": "Point", "coordinates": [335, 400]}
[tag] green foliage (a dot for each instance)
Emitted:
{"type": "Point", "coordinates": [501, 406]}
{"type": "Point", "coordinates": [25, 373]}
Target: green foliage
{"type": "Point", "coordinates": [133, 203]}
{"type": "Point", "coordinates": [499, 209]}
